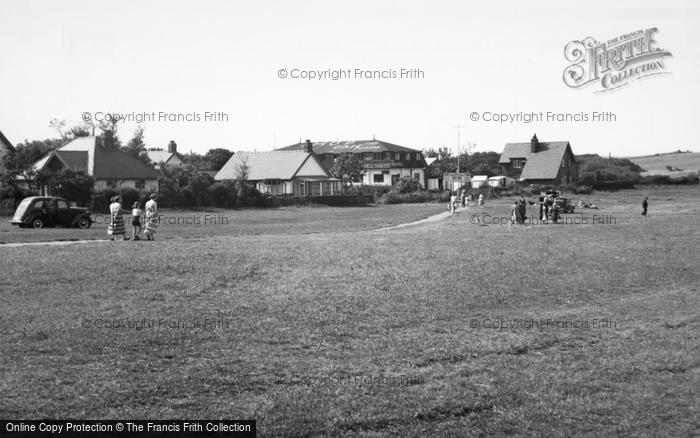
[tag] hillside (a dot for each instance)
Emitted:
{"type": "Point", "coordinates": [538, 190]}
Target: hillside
{"type": "Point", "coordinates": [685, 162]}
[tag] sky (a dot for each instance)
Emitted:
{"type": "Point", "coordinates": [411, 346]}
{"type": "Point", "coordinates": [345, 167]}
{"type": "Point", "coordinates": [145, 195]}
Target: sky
{"type": "Point", "coordinates": [160, 60]}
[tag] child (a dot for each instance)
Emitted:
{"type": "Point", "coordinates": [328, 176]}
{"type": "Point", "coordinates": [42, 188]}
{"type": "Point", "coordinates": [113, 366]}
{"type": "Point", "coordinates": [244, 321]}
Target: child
{"type": "Point", "coordinates": [136, 225]}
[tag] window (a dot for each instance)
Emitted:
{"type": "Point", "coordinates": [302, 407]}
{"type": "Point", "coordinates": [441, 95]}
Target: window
{"type": "Point", "coordinates": [377, 155]}
{"type": "Point", "coordinates": [419, 156]}
{"type": "Point", "coordinates": [62, 204]}
{"type": "Point", "coordinates": [517, 164]}
{"type": "Point", "coordinates": [379, 177]}
{"type": "Point", "coordinates": [140, 184]}
{"type": "Point", "coordinates": [111, 183]}
{"type": "Point", "coordinates": [416, 176]}
{"type": "Point", "coordinates": [367, 155]}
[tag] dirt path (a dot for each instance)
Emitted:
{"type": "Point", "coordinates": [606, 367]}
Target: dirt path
{"type": "Point", "coordinates": [427, 220]}
{"type": "Point", "coordinates": [53, 243]}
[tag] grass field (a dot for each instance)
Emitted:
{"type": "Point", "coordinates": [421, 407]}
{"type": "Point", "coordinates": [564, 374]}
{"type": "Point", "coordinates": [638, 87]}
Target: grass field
{"type": "Point", "coordinates": [314, 323]}
{"type": "Point", "coordinates": [657, 164]}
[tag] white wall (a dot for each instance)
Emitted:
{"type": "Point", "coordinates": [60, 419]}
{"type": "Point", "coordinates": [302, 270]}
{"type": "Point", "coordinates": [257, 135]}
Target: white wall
{"type": "Point", "coordinates": [151, 184]}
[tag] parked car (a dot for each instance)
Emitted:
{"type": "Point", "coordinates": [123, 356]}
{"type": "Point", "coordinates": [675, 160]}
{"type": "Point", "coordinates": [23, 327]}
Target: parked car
{"type": "Point", "coordinates": [565, 205]}
{"type": "Point", "coordinates": [50, 211]}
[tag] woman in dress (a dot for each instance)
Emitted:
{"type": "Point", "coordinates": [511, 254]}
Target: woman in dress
{"type": "Point", "coordinates": [151, 217]}
{"type": "Point", "coordinates": [116, 223]}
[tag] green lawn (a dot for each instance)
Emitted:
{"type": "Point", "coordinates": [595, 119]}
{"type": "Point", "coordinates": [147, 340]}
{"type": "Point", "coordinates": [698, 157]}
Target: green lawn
{"type": "Point", "coordinates": [206, 223]}
{"type": "Point", "coordinates": [313, 323]}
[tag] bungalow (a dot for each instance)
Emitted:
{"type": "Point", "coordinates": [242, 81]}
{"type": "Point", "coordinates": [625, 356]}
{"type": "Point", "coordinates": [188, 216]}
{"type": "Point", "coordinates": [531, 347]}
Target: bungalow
{"type": "Point", "coordinates": [501, 181]}
{"type": "Point", "coordinates": [382, 163]}
{"type": "Point", "coordinates": [540, 162]}
{"type": "Point", "coordinates": [5, 149]}
{"type": "Point", "coordinates": [479, 181]}
{"type": "Point", "coordinates": [97, 157]}
{"type": "Point", "coordinates": [292, 172]}
{"type": "Point", "coordinates": [169, 158]}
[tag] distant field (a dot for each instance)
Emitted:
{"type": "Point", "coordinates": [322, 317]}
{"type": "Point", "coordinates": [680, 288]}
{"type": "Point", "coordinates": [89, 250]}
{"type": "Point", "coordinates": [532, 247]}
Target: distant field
{"type": "Point", "coordinates": [454, 328]}
{"type": "Point", "coordinates": [656, 165]}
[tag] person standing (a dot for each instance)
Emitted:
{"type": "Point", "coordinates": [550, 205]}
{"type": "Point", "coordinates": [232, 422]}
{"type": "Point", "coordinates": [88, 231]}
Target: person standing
{"type": "Point", "coordinates": [645, 206]}
{"type": "Point", "coordinates": [151, 217]}
{"type": "Point", "coordinates": [116, 223]}
{"type": "Point", "coordinates": [515, 213]}
{"type": "Point", "coordinates": [453, 202]}
{"type": "Point", "coordinates": [481, 199]}
{"type": "Point", "coordinates": [523, 210]}
{"type": "Point", "coordinates": [463, 196]}
{"type": "Point", "coordinates": [136, 226]}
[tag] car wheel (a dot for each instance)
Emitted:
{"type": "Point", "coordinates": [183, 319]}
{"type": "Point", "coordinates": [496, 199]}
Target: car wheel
{"type": "Point", "coordinates": [38, 223]}
{"type": "Point", "coordinates": [84, 223]}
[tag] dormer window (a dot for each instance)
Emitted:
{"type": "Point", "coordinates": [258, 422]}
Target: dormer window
{"type": "Point", "coordinates": [517, 163]}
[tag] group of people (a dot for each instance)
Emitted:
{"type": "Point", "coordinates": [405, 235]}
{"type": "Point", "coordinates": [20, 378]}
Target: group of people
{"type": "Point", "coordinates": [464, 200]}
{"type": "Point", "coordinates": [548, 209]}
{"type": "Point", "coordinates": [117, 225]}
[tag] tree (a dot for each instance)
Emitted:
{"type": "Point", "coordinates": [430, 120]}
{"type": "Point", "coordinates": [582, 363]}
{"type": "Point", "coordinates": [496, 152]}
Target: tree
{"type": "Point", "coordinates": [84, 129]}
{"type": "Point", "coordinates": [242, 172]}
{"type": "Point", "coordinates": [347, 168]}
{"type": "Point", "coordinates": [73, 185]}
{"type": "Point", "coordinates": [215, 158]}
{"type": "Point", "coordinates": [20, 163]}
{"type": "Point", "coordinates": [593, 168]}
{"type": "Point", "coordinates": [136, 146]}
{"type": "Point", "coordinates": [195, 160]}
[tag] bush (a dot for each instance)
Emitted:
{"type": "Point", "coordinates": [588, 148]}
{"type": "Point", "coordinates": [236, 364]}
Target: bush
{"type": "Point", "coordinates": [414, 198]}
{"type": "Point", "coordinates": [407, 185]}
{"type": "Point", "coordinates": [102, 198]}
{"type": "Point", "coordinates": [223, 194]}
{"type": "Point", "coordinates": [11, 196]}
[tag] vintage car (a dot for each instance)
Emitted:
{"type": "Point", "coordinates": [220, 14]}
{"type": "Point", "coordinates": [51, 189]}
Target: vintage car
{"type": "Point", "coordinates": [49, 211]}
{"type": "Point", "coordinates": [565, 205]}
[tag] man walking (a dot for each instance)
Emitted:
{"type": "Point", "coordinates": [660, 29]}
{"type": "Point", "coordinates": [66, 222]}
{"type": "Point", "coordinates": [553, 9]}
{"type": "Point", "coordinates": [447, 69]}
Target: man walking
{"type": "Point", "coordinates": [645, 206]}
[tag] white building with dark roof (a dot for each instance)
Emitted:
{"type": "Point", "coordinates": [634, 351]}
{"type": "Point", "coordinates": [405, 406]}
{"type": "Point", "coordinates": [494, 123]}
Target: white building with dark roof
{"type": "Point", "coordinates": [97, 157]}
{"type": "Point", "coordinates": [278, 173]}
{"type": "Point", "coordinates": [383, 163]}
{"type": "Point", "coordinates": [169, 158]}
{"type": "Point", "coordinates": [539, 162]}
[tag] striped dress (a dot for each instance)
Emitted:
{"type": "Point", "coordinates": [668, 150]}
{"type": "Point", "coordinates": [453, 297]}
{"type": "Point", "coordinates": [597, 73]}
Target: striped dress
{"type": "Point", "coordinates": [151, 217]}
{"type": "Point", "coordinates": [152, 224]}
{"type": "Point", "coordinates": [116, 224]}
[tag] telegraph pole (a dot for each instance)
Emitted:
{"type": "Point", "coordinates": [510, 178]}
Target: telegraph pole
{"type": "Point", "coordinates": [459, 132]}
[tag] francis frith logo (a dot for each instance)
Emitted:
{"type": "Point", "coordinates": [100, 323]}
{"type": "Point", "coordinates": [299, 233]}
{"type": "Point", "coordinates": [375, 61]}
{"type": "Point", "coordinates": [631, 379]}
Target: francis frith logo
{"type": "Point", "coordinates": [616, 62]}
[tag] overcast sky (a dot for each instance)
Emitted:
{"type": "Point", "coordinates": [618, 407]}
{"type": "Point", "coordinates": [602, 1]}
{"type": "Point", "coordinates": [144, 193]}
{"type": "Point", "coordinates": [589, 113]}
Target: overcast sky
{"type": "Point", "coordinates": [61, 59]}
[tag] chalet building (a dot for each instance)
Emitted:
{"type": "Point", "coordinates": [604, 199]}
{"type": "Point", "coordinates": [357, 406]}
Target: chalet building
{"type": "Point", "coordinates": [278, 173]}
{"type": "Point", "coordinates": [5, 148]}
{"type": "Point", "coordinates": [97, 157]}
{"type": "Point", "coordinates": [539, 162]}
{"type": "Point", "coordinates": [169, 158]}
{"type": "Point", "coordinates": [383, 163]}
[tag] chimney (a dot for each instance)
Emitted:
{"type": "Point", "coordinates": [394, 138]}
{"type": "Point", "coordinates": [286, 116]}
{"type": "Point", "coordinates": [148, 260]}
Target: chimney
{"type": "Point", "coordinates": [172, 147]}
{"type": "Point", "coordinates": [533, 144]}
{"type": "Point", "coordinates": [309, 147]}
{"type": "Point", "coordinates": [108, 141]}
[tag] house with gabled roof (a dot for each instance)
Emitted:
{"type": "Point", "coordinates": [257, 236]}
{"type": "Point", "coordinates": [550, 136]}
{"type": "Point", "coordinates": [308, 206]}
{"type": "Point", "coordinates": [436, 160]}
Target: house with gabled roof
{"type": "Point", "coordinates": [5, 148]}
{"type": "Point", "coordinates": [169, 158]}
{"type": "Point", "coordinates": [288, 172]}
{"type": "Point", "coordinates": [383, 163]}
{"type": "Point", "coordinates": [539, 162]}
{"type": "Point", "coordinates": [97, 157]}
